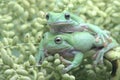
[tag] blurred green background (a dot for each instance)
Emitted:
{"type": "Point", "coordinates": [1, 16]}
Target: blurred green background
{"type": "Point", "coordinates": [22, 23]}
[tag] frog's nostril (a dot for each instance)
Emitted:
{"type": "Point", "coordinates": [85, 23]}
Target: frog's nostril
{"type": "Point", "coordinates": [67, 16]}
{"type": "Point", "coordinates": [47, 16]}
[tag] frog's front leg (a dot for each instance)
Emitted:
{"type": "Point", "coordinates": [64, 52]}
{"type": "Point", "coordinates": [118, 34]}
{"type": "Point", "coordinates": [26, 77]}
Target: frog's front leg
{"type": "Point", "coordinates": [40, 56]}
{"type": "Point", "coordinates": [76, 61]}
{"type": "Point", "coordinates": [101, 34]}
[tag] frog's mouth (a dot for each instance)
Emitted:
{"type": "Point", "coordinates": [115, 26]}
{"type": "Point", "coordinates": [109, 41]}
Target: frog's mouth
{"type": "Point", "coordinates": [60, 23]}
{"type": "Point", "coordinates": [60, 49]}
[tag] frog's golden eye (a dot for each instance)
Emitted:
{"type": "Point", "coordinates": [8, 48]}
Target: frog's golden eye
{"type": "Point", "coordinates": [67, 16]}
{"type": "Point", "coordinates": [47, 16]}
{"type": "Point", "coordinates": [58, 40]}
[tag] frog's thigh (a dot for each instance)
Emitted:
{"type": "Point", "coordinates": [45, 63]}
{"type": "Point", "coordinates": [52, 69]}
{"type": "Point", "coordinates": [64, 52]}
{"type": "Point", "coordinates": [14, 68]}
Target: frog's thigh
{"type": "Point", "coordinates": [117, 73]}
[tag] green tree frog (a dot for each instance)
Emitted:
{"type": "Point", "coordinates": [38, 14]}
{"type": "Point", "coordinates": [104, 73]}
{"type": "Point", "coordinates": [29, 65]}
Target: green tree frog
{"type": "Point", "coordinates": [66, 22]}
{"type": "Point", "coordinates": [72, 45]}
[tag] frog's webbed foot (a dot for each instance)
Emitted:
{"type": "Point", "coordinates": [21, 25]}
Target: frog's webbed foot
{"type": "Point", "coordinates": [76, 61]}
{"type": "Point", "coordinates": [104, 36]}
{"type": "Point", "coordinates": [38, 65]}
{"type": "Point", "coordinates": [69, 63]}
{"type": "Point", "coordinates": [68, 68]}
{"type": "Point", "coordinates": [99, 58]}
{"type": "Point", "coordinates": [65, 61]}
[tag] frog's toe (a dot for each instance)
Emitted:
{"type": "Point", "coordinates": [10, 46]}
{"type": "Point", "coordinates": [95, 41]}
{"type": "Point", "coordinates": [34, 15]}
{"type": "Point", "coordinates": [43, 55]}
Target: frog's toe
{"type": "Point", "coordinates": [97, 39]}
{"type": "Point", "coordinates": [105, 43]}
{"type": "Point", "coordinates": [64, 70]}
{"type": "Point", "coordinates": [98, 61]}
{"type": "Point", "coordinates": [108, 38]}
{"type": "Point", "coordinates": [38, 65]}
{"type": "Point", "coordinates": [94, 64]}
{"type": "Point", "coordinates": [103, 38]}
{"type": "Point", "coordinates": [101, 62]}
{"type": "Point", "coordinates": [95, 55]}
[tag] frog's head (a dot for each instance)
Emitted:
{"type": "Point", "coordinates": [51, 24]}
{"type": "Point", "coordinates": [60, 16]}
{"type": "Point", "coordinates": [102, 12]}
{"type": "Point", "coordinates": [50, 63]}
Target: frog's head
{"type": "Point", "coordinates": [62, 19]}
{"type": "Point", "coordinates": [57, 44]}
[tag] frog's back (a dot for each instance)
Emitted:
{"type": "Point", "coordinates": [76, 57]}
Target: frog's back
{"type": "Point", "coordinates": [83, 41]}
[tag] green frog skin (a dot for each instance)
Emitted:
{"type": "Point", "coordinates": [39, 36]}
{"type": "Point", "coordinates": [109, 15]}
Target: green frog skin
{"type": "Point", "coordinates": [66, 22]}
{"type": "Point", "coordinates": [72, 45]}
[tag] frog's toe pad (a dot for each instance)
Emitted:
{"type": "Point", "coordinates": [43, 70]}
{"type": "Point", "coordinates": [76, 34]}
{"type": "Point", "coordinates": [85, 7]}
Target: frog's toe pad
{"type": "Point", "coordinates": [96, 62]}
{"type": "Point", "coordinates": [64, 70]}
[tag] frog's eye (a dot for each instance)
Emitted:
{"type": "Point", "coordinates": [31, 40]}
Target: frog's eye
{"type": "Point", "coordinates": [67, 16]}
{"type": "Point", "coordinates": [47, 16]}
{"type": "Point", "coordinates": [58, 40]}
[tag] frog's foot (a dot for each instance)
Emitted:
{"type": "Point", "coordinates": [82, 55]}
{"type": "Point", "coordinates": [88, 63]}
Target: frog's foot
{"type": "Point", "coordinates": [64, 70]}
{"type": "Point", "coordinates": [95, 55]}
{"type": "Point", "coordinates": [65, 61]}
{"type": "Point", "coordinates": [96, 62]}
{"type": "Point", "coordinates": [99, 59]}
{"type": "Point", "coordinates": [104, 36]}
{"type": "Point", "coordinates": [38, 65]}
{"type": "Point", "coordinates": [68, 68]}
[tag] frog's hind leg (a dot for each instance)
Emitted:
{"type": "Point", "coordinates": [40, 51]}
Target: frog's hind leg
{"type": "Point", "coordinates": [99, 57]}
{"type": "Point", "coordinates": [100, 54]}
